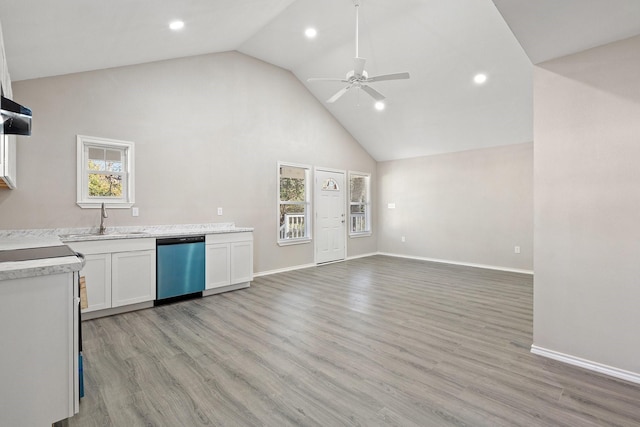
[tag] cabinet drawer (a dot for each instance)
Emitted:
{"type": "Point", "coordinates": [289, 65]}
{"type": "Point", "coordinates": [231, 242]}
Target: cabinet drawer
{"type": "Point", "coordinates": [112, 246]}
{"type": "Point", "coordinates": [229, 237]}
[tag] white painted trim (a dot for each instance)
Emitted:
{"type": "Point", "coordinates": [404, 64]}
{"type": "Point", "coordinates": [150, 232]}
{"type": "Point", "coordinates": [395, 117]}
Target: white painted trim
{"type": "Point", "coordinates": [283, 270]}
{"type": "Point", "coordinates": [466, 264]}
{"type": "Point", "coordinates": [308, 174]}
{"type": "Point", "coordinates": [294, 241]}
{"type": "Point", "coordinates": [369, 204]}
{"type": "Point", "coordinates": [316, 203]}
{"type": "Point", "coordinates": [587, 364]}
{"type": "Point", "coordinates": [361, 256]}
{"type": "Point", "coordinates": [129, 148]}
{"type": "Point", "coordinates": [98, 205]}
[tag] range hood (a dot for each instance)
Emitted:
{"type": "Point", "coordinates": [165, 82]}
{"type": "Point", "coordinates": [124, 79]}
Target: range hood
{"type": "Point", "coordinates": [16, 119]}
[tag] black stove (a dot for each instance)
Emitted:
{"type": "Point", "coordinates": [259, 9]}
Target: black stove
{"type": "Point", "coordinates": [28, 254]}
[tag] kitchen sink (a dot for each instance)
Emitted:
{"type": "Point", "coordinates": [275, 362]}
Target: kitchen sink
{"type": "Point", "coordinates": [107, 234]}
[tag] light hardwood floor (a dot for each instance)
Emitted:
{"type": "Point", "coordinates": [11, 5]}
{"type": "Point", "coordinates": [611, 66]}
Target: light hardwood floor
{"type": "Point", "coordinates": [377, 341]}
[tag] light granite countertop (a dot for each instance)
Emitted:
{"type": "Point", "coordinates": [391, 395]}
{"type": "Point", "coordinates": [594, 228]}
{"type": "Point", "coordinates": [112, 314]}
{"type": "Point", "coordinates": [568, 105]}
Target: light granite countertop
{"type": "Point", "coordinates": [31, 238]}
{"type": "Point", "coordinates": [37, 267]}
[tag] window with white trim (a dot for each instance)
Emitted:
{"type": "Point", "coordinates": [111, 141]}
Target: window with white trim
{"type": "Point", "coordinates": [294, 195]}
{"type": "Point", "coordinates": [105, 172]}
{"type": "Point", "coordinates": [359, 204]}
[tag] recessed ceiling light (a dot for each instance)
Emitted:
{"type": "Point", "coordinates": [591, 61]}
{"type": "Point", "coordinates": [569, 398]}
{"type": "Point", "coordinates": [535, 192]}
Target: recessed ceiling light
{"type": "Point", "coordinates": [176, 25]}
{"type": "Point", "coordinates": [379, 105]}
{"type": "Point", "coordinates": [311, 33]}
{"type": "Point", "coordinates": [480, 78]}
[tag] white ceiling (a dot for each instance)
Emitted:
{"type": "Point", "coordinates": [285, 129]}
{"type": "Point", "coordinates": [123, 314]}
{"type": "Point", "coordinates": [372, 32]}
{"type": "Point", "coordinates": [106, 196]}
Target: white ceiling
{"type": "Point", "coordinates": [442, 43]}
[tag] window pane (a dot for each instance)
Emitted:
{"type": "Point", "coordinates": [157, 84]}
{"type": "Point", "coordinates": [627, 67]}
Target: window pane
{"type": "Point", "coordinates": [358, 219]}
{"type": "Point", "coordinates": [96, 153]}
{"type": "Point", "coordinates": [330, 185]}
{"type": "Point", "coordinates": [106, 171]}
{"type": "Point", "coordinates": [96, 165]}
{"type": "Point", "coordinates": [113, 160]}
{"type": "Point", "coordinates": [105, 185]}
{"type": "Point", "coordinates": [113, 155]}
{"type": "Point", "coordinates": [292, 221]}
{"type": "Point", "coordinates": [358, 189]}
{"type": "Point", "coordinates": [292, 184]}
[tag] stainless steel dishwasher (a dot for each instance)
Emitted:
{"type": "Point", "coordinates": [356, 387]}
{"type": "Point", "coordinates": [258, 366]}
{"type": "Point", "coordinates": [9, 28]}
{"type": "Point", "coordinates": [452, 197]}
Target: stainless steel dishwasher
{"type": "Point", "coordinates": [180, 268]}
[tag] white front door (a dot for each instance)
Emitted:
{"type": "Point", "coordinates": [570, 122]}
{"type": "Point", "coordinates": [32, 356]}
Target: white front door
{"type": "Point", "coordinates": [330, 216]}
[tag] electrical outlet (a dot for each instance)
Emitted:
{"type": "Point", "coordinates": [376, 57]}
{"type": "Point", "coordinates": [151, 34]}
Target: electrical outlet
{"type": "Point", "coordinates": [135, 212]}
{"type": "Point", "coordinates": [516, 249]}
{"type": "Point", "coordinates": [219, 211]}
{"type": "Point", "coordinates": [403, 239]}
{"type": "Point", "coordinates": [391, 205]}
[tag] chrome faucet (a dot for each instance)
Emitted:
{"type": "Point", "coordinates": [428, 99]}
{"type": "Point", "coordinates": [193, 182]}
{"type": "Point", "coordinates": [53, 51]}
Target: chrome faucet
{"type": "Point", "coordinates": [103, 215]}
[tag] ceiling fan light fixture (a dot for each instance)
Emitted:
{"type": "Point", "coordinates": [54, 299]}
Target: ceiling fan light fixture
{"type": "Point", "coordinates": [358, 78]}
{"type": "Point", "coordinates": [311, 33]}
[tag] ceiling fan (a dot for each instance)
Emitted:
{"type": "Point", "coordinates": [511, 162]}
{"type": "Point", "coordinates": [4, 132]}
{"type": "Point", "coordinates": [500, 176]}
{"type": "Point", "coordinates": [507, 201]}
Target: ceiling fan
{"type": "Point", "coordinates": [358, 77]}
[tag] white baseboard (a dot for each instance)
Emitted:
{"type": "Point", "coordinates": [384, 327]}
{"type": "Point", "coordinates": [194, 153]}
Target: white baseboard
{"type": "Point", "coordinates": [587, 364]}
{"type": "Point", "coordinates": [283, 270]}
{"type": "Point", "coordinates": [361, 256]}
{"type": "Point", "coordinates": [466, 264]}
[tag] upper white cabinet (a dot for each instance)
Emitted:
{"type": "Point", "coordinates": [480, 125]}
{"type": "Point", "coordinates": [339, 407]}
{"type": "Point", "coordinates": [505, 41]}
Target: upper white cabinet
{"type": "Point", "coordinates": [229, 261]}
{"type": "Point", "coordinates": [8, 161]}
{"type": "Point", "coordinates": [7, 142]}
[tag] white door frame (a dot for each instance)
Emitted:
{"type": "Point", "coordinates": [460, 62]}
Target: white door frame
{"type": "Point", "coordinates": [316, 195]}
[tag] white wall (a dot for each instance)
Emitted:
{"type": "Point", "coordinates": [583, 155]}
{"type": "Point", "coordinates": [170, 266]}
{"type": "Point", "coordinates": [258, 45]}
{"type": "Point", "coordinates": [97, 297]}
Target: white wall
{"type": "Point", "coordinates": [468, 207]}
{"type": "Point", "coordinates": [587, 205]}
{"type": "Point", "coordinates": [208, 132]}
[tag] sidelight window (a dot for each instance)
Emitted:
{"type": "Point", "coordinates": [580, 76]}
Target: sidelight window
{"type": "Point", "coordinates": [293, 203]}
{"type": "Point", "coordinates": [359, 204]}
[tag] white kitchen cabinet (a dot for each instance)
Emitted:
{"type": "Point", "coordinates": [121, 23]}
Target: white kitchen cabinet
{"type": "Point", "coordinates": [97, 274]}
{"type": "Point", "coordinates": [229, 261]}
{"type": "Point", "coordinates": [133, 277]}
{"type": "Point", "coordinates": [39, 355]}
{"type": "Point", "coordinates": [242, 261]}
{"type": "Point", "coordinates": [8, 161]}
{"type": "Point", "coordinates": [218, 272]}
{"type": "Point", "coordinates": [118, 273]}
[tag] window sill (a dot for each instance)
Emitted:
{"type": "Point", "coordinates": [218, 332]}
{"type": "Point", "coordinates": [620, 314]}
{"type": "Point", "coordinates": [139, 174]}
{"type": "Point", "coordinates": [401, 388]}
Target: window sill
{"type": "Point", "coordinates": [293, 242]}
{"type": "Point", "coordinates": [363, 234]}
{"type": "Point", "coordinates": [97, 205]}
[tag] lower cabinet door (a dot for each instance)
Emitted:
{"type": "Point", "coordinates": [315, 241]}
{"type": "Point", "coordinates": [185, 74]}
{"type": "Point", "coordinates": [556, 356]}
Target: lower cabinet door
{"type": "Point", "coordinates": [133, 277]}
{"type": "Point", "coordinates": [97, 276]}
{"type": "Point", "coordinates": [217, 265]}
{"type": "Point", "coordinates": [241, 262]}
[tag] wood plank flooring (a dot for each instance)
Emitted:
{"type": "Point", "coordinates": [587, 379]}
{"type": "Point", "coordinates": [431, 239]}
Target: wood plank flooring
{"type": "Point", "coordinates": [377, 341]}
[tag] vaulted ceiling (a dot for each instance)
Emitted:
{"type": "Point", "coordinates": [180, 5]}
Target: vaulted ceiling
{"type": "Point", "coordinates": [442, 43]}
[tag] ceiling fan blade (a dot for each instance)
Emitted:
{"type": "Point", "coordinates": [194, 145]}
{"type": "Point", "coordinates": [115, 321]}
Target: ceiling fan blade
{"type": "Point", "coordinates": [395, 76]}
{"type": "Point", "coordinates": [374, 93]}
{"type": "Point", "coordinates": [358, 66]}
{"type": "Point", "coordinates": [326, 79]}
{"type": "Point", "coordinates": [341, 92]}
